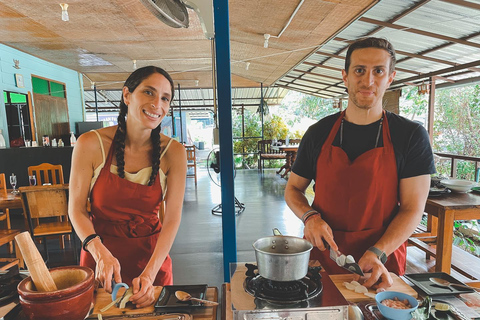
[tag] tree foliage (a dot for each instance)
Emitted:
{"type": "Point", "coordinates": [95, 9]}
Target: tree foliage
{"type": "Point", "coordinates": [456, 123]}
{"type": "Point", "coordinates": [314, 107]}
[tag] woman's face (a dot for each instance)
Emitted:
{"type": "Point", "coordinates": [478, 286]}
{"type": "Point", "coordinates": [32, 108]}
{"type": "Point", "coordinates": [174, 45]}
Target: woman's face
{"type": "Point", "coordinates": [149, 102]}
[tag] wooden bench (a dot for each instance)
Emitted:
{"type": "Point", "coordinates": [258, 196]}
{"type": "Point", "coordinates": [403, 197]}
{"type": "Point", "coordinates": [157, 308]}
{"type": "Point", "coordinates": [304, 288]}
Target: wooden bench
{"type": "Point", "coordinates": [265, 152]}
{"type": "Point", "coordinates": [462, 261]}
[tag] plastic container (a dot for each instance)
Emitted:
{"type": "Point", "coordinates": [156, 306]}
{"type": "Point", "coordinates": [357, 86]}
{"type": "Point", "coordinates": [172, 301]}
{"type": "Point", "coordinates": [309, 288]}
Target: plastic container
{"type": "Point", "coordinates": [73, 139]}
{"type": "Point", "coordinates": [3, 144]}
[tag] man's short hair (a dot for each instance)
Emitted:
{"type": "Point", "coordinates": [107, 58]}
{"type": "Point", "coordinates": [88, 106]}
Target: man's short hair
{"type": "Point", "coordinates": [372, 43]}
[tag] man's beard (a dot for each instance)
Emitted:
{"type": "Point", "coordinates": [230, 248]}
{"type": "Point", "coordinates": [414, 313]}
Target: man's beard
{"type": "Point", "coordinates": [365, 105]}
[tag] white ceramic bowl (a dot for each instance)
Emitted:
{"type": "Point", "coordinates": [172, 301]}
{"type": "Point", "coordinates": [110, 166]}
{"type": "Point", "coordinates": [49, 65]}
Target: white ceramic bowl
{"type": "Point", "coordinates": [458, 185]}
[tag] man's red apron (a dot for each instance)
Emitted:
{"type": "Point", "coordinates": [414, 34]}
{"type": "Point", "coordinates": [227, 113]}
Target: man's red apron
{"type": "Point", "coordinates": [125, 215]}
{"type": "Point", "coordinates": [358, 199]}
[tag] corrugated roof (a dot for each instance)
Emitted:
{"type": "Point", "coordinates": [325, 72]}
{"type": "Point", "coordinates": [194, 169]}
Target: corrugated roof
{"type": "Point", "coordinates": [192, 99]}
{"type": "Point", "coordinates": [432, 38]}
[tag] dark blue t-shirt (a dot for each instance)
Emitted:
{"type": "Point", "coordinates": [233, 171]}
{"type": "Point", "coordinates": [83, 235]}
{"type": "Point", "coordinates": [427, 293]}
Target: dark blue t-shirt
{"type": "Point", "coordinates": [410, 141]}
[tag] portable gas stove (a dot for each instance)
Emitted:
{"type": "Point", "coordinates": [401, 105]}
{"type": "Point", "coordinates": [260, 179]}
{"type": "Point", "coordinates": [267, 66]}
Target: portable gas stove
{"type": "Point", "coordinates": [313, 297]}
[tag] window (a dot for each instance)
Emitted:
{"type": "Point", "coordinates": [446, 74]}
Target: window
{"type": "Point", "coordinates": [18, 117]}
{"type": "Point", "coordinates": [49, 88]}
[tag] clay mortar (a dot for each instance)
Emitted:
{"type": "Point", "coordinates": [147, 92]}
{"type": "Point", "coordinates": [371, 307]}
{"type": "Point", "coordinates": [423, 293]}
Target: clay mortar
{"type": "Point", "coordinates": [72, 300]}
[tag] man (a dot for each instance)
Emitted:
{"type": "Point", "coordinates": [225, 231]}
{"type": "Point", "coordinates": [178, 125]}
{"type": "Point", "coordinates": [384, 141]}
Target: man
{"type": "Point", "coordinates": [371, 170]}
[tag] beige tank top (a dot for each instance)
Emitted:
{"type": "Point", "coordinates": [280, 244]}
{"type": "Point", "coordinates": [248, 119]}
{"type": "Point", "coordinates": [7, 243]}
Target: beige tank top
{"type": "Point", "coordinates": [140, 177]}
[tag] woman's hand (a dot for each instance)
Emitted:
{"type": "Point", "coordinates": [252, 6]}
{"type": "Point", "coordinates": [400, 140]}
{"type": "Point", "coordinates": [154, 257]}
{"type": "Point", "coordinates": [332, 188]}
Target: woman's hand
{"type": "Point", "coordinates": [107, 268]}
{"type": "Point", "coordinates": [143, 292]}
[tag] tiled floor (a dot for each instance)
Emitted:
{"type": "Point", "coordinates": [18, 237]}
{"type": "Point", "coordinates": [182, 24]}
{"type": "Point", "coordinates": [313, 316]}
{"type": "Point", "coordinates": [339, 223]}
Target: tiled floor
{"type": "Point", "coordinates": [197, 251]}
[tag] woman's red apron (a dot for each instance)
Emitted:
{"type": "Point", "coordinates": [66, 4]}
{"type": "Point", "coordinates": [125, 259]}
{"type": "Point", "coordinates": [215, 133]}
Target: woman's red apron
{"type": "Point", "coordinates": [358, 199]}
{"type": "Point", "coordinates": [125, 215]}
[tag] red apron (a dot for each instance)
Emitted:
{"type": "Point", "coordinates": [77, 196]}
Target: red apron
{"type": "Point", "coordinates": [358, 199]}
{"type": "Point", "coordinates": [125, 215]}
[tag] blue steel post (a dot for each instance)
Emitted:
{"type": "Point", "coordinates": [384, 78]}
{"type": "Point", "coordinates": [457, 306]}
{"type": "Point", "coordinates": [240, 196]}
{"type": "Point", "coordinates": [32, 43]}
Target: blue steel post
{"type": "Point", "coordinates": [224, 90]}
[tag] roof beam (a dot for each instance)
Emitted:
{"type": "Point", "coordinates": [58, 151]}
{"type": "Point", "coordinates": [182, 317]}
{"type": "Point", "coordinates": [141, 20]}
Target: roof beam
{"type": "Point", "coordinates": [343, 58]}
{"type": "Point", "coordinates": [408, 54]}
{"type": "Point", "coordinates": [466, 4]}
{"type": "Point", "coordinates": [307, 86]}
{"type": "Point", "coordinates": [392, 20]}
{"type": "Point", "coordinates": [314, 82]}
{"type": "Point", "coordinates": [318, 82]}
{"type": "Point", "coordinates": [420, 32]}
{"type": "Point", "coordinates": [305, 91]}
{"type": "Point", "coordinates": [438, 72]}
{"type": "Point", "coordinates": [318, 74]}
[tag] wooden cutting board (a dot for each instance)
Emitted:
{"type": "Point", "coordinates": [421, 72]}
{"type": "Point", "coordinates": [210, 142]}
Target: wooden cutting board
{"type": "Point", "coordinates": [398, 285]}
{"type": "Point", "coordinates": [103, 298]}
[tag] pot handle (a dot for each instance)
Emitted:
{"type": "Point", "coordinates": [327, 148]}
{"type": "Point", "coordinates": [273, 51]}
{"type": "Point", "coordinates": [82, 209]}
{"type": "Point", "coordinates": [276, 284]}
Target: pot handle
{"type": "Point", "coordinates": [276, 232]}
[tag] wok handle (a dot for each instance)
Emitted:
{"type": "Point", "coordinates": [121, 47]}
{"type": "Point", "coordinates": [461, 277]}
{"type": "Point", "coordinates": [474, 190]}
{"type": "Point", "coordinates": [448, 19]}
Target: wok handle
{"type": "Point", "coordinates": [276, 232]}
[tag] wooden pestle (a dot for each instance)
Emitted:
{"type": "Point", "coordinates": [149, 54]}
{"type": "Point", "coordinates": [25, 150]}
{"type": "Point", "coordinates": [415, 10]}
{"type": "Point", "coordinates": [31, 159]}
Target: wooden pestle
{"type": "Point", "coordinates": [41, 277]}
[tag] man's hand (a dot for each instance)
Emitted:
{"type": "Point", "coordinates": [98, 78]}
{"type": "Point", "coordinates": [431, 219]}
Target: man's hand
{"type": "Point", "coordinates": [317, 231]}
{"type": "Point", "coordinates": [379, 277]}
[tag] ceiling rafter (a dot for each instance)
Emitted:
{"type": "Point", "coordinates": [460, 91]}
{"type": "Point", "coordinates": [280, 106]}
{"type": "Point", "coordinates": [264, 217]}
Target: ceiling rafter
{"type": "Point", "coordinates": [306, 91]}
{"type": "Point", "coordinates": [466, 4]}
{"type": "Point", "coordinates": [343, 58]}
{"type": "Point", "coordinates": [420, 32]}
{"type": "Point", "coordinates": [318, 74]}
{"type": "Point", "coordinates": [442, 46]}
{"type": "Point", "coordinates": [328, 85]}
{"type": "Point", "coordinates": [438, 72]}
{"type": "Point", "coordinates": [378, 28]}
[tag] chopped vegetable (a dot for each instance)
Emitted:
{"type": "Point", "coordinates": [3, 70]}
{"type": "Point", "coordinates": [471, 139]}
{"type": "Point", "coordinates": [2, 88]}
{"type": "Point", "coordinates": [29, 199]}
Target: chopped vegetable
{"type": "Point", "coordinates": [350, 259]}
{"type": "Point", "coordinates": [361, 289]}
{"type": "Point", "coordinates": [341, 260]}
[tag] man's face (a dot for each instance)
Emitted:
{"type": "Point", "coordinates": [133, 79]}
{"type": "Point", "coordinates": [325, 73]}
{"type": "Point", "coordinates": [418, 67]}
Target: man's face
{"type": "Point", "coordinates": [368, 77]}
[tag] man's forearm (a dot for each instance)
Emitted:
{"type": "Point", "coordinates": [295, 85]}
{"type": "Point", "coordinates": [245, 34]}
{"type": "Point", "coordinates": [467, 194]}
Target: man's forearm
{"type": "Point", "coordinates": [399, 230]}
{"type": "Point", "coordinates": [295, 195]}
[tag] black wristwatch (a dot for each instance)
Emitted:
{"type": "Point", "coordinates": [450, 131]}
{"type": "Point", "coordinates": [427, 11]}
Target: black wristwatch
{"type": "Point", "coordinates": [382, 256]}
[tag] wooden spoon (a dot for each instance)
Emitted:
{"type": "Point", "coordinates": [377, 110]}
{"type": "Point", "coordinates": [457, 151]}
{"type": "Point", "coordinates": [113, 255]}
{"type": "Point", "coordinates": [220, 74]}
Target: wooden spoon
{"type": "Point", "coordinates": [184, 296]}
{"type": "Point", "coordinates": [444, 283]}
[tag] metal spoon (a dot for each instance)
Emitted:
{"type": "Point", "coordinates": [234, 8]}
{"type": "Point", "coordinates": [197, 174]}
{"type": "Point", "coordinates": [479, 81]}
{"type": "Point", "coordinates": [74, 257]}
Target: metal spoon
{"type": "Point", "coordinates": [446, 284]}
{"type": "Point", "coordinates": [184, 296]}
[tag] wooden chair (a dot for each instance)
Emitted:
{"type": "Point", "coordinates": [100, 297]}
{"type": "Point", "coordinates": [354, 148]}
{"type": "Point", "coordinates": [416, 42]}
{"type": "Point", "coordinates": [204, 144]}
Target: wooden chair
{"type": "Point", "coordinates": [191, 162]}
{"type": "Point", "coordinates": [47, 173]}
{"type": "Point", "coordinates": [5, 214]}
{"type": "Point", "coordinates": [265, 152]}
{"type": "Point", "coordinates": [45, 203]}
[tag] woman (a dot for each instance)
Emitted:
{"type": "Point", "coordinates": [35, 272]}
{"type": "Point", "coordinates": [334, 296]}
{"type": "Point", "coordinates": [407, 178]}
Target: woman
{"type": "Point", "coordinates": [125, 171]}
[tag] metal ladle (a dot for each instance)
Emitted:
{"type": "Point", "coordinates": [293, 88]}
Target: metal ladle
{"type": "Point", "coordinates": [184, 296]}
{"type": "Point", "coordinates": [447, 284]}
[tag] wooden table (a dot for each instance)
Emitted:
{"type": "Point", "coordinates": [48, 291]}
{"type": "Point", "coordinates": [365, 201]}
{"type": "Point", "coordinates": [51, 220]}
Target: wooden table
{"type": "Point", "coordinates": [442, 212]}
{"type": "Point", "coordinates": [290, 154]}
{"type": "Point", "coordinates": [11, 201]}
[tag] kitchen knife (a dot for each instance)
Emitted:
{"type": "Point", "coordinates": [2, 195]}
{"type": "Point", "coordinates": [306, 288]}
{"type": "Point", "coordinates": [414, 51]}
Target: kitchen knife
{"type": "Point", "coordinates": [350, 266]}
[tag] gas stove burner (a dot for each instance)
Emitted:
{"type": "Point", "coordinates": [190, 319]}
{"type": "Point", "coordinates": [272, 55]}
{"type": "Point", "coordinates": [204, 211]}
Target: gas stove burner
{"type": "Point", "coordinates": [282, 292]}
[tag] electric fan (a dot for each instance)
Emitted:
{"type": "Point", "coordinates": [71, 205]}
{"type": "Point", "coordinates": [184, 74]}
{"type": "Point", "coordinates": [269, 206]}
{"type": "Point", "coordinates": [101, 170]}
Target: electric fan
{"type": "Point", "coordinates": [213, 168]}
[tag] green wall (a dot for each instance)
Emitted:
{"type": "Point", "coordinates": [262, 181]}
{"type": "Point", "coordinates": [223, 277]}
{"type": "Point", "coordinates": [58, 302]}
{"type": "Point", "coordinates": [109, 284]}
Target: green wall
{"type": "Point", "coordinates": [30, 65]}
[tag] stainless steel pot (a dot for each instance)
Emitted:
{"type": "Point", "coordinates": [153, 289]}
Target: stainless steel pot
{"type": "Point", "coordinates": [282, 258]}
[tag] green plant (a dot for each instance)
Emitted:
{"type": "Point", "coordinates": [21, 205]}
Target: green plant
{"type": "Point", "coordinates": [275, 128]}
